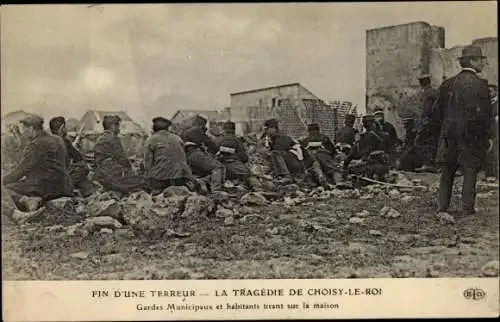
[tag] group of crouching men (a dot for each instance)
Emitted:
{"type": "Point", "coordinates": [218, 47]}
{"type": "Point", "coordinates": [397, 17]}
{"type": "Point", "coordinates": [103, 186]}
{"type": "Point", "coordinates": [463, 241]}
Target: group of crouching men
{"type": "Point", "coordinates": [52, 167]}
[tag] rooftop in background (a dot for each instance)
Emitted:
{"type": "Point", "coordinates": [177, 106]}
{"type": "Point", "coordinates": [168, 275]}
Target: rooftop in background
{"type": "Point", "coordinates": [264, 88]}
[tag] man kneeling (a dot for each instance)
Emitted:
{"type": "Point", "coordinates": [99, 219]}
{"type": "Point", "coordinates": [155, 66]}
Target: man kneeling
{"type": "Point", "coordinates": [234, 157]}
{"type": "Point", "coordinates": [320, 155]}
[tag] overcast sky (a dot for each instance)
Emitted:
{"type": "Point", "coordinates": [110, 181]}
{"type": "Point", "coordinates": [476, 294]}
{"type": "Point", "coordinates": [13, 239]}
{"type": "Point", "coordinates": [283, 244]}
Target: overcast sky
{"type": "Point", "coordinates": [65, 59]}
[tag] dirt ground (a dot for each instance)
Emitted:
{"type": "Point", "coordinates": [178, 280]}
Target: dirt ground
{"type": "Point", "coordinates": [317, 239]}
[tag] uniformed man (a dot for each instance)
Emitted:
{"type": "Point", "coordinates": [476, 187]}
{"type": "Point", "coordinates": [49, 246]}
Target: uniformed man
{"type": "Point", "coordinates": [165, 159]}
{"type": "Point", "coordinates": [113, 169]}
{"type": "Point", "coordinates": [466, 128]}
{"type": "Point", "coordinates": [369, 152]}
{"type": "Point", "coordinates": [77, 167]}
{"type": "Point", "coordinates": [234, 157]}
{"type": "Point", "coordinates": [200, 152]}
{"type": "Point", "coordinates": [381, 125]}
{"type": "Point", "coordinates": [319, 155]}
{"type": "Point", "coordinates": [344, 138]}
{"type": "Point", "coordinates": [427, 137]}
{"type": "Point", "coordinates": [286, 155]}
{"type": "Point", "coordinates": [409, 159]}
{"type": "Point", "coordinates": [42, 171]}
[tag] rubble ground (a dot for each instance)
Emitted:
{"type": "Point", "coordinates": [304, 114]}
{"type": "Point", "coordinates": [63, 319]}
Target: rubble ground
{"type": "Point", "coordinates": [373, 232]}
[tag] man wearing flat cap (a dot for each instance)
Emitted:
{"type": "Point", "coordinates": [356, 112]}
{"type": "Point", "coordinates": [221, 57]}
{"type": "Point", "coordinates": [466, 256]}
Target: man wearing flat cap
{"type": "Point", "coordinates": [319, 156]}
{"type": "Point", "coordinates": [113, 169]}
{"type": "Point", "coordinates": [286, 154]}
{"type": "Point", "coordinates": [165, 158]}
{"type": "Point", "coordinates": [466, 129]}
{"type": "Point", "coordinates": [369, 151]}
{"type": "Point", "coordinates": [234, 157]}
{"type": "Point", "coordinates": [77, 167]}
{"type": "Point", "coordinates": [41, 173]}
{"type": "Point", "coordinates": [200, 152]}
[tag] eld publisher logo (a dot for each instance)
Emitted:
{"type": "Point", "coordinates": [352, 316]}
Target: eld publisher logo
{"type": "Point", "coordinates": [474, 294]}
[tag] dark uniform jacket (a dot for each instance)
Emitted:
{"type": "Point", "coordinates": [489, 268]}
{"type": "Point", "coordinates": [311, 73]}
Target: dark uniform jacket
{"type": "Point", "coordinates": [110, 157]}
{"type": "Point", "coordinates": [346, 135]}
{"type": "Point", "coordinates": [165, 157]}
{"type": "Point", "coordinates": [465, 115]}
{"type": "Point", "coordinates": [200, 139]}
{"type": "Point", "coordinates": [231, 149]}
{"type": "Point", "coordinates": [316, 139]}
{"type": "Point", "coordinates": [74, 155]}
{"type": "Point", "coordinates": [429, 97]}
{"type": "Point", "coordinates": [281, 142]}
{"type": "Point", "coordinates": [389, 129]}
{"type": "Point", "coordinates": [44, 166]}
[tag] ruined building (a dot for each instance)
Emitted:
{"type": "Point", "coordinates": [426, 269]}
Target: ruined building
{"type": "Point", "coordinates": [397, 55]}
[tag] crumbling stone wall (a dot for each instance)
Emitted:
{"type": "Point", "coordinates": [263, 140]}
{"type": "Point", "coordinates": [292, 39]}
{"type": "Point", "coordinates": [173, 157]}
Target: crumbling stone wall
{"type": "Point", "coordinates": [397, 55]}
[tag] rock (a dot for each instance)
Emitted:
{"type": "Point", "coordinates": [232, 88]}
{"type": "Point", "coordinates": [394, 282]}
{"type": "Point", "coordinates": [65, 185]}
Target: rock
{"type": "Point", "coordinates": [228, 184]}
{"type": "Point", "coordinates": [55, 228]}
{"type": "Point", "coordinates": [289, 189]}
{"type": "Point", "coordinates": [169, 206]}
{"type": "Point", "coordinates": [273, 231]}
{"type": "Point", "coordinates": [103, 222]}
{"type": "Point", "coordinates": [445, 218]}
{"type": "Point", "coordinates": [356, 221]}
{"type": "Point", "coordinates": [126, 233]}
{"type": "Point", "coordinates": [353, 194]}
{"type": "Point", "coordinates": [223, 212]}
{"type": "Point", "coordinates": [136, 207]}
{"type": "Point", "coordinates": [366, 197]}
{"type": "Point", "coordinates": [174, 191]}
{"type": "Point", "coordinates": [491, 269]}
{"type": "Point", "coordinates": [394, 194]}
{"type": "Point", "coordinates": [197, 206]}
{"type": "Point", "coordinates": [389, 212]}
{"type": "Point", "coordinates": [65, 203]}
{"type": "Point", "coordinates": [108, 195]}
{"type": "Point", "coordinates": [253, 198]}
{"type": "Point", "coordinates": [219, 196]}
{"type": "Point", "coordinates": [106, 231]}
{"type": "Point", "coordinates": [337, 193]}
{"type": "Point", "coordinates": [115, 259]}
{"type": "Point", "coordinates": [106, 208]}
{"type": "Point", "coordinates": [373, 232]}
{"type": "Point", "coordinates": [80, 255]}
{"type": "Point", "coordinates": [416, 181]}
{"type": "Point", "coordinates": [229, 221]}
{"type": "Point", "coordinates": [408, 199]}
{"type": "Point", "coordinates": [72, 230]}
{"type": "Point", "coordinates": [362, 214]}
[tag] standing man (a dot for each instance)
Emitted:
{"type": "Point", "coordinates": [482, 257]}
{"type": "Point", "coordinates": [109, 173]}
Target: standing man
{"type": "Point", "coordinates": [286, 154]}
{"type": "Point", "coordinates": [465, 117]}
{"type": "Point", "coordinates": [113, 169]}
{"type": "Point", "coordinates": [320, 155]}
{"type": "Point", "coordinates": [77, 167]}
{"type": "Point", "coordinates": [427, 137]}
{"type": "Point", "coordinates": [492, 163]}
{"type": "Point", "coordinates": [234, 157]}
{"type": "Point", "coordinates": [200, 152]}
{"type": "Point", "coordinates": [42, 172]}
{"type": "Point", "coordinates": [165, 159]}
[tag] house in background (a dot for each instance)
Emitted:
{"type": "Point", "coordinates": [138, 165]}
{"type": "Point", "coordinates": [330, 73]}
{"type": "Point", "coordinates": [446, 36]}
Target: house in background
{"type": "Point", "coordinates": [293, 105]}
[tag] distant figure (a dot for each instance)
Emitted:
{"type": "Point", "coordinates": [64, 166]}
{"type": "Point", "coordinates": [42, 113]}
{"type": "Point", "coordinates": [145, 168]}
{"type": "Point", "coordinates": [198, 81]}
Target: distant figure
{"type": "Point", "coordinates": [491, 170]}
{"type": "Point", "coordinates": [113, 169]}
{"type": "Point", "coordinates": [234, 157]}
{"type": "Point", "coordinates": [409, 159]}
{"type": "Point", "coordinates": [200, 152]}
{"type": "Point", "coordinates": [320, 155]}
{"type": "Point", "coordinates": [286, 154]}
{"type": "Point", "coordinates": [77, 167]}
{"type": "Point", "coordinates": [466, 129]}
{"type": "Point", "coordinates": [428, 134]}
{"type": "Point", "coordinates": [165, 159]}
{"type": "Point", "coordinates": [42, 171]}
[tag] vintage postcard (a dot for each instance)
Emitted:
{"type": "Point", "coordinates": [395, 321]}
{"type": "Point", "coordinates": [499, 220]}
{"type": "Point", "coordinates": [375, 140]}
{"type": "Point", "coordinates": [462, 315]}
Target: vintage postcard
{"type": "Point", "coordinates": [249, 161]}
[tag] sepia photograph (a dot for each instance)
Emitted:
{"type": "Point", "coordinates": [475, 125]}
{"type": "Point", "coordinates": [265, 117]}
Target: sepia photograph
{"type": "Point", "coordinates": [250, 141]}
